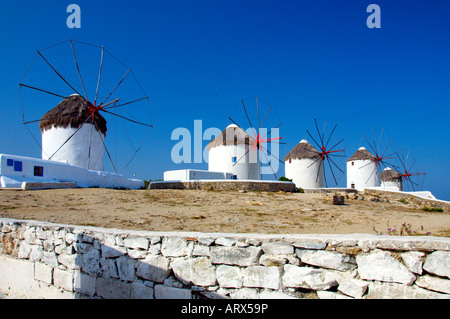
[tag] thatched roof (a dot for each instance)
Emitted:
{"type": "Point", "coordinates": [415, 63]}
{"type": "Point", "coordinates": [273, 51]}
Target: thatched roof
{"type": "Point", "coordinates": [73, 111]}
{"type": "Point", "coordinates": [232, 135]}
{"type": "Point", "coordinates": [390, 175]}
{"type": "Point", "coordinates": [302, 150]}
{"type": "Point", "coordinates": [361, 154]}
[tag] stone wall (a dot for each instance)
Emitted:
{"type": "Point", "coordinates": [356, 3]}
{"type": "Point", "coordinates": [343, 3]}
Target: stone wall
{"type": "Point", "coordinates": [220, 185]}
{"type": "Point", "coordinates": [398, 196]}
{"type": "Point", "coordinates": [44, 260]}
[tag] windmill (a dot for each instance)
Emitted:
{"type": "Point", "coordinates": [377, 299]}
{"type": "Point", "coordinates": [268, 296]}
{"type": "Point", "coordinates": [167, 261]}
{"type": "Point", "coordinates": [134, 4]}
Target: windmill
{"type": "Point", "coordinates": [325, 153]}
{"type": "Point", "coordinates": [379, 158]}
{"type": "Point", "coordinates": [410, 176]}
{"type": "Point", "coordinates": [364, 167]}
{"type": "Point", "coordinates": [90, 87]}
{"type": "Point", "coordinates": [259, 141]}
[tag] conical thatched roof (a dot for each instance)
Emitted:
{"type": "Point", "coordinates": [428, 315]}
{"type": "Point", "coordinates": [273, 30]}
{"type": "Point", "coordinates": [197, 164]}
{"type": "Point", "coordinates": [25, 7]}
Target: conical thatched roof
{"type": "Point", "coordinates": [390, 175]}
{"type": "Point", "coordinates": [302, 150]}
{"type": "Point", "coordinates": [73, 111]}
{"type": "Point", "coordinates": [232, 135]}
{"type": "Point", "coordinates": [361, 154]}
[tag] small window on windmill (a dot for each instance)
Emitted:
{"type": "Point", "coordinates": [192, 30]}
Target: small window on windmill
{"type": "Point", "coordinates": [9, 162]}
{"type": "Point", "coordinates": [234, 177]}
{"type": "Point", "coordinates": [17, 166]}
{"type": "Point", "coordinates": [38, 171]}
{"type": "Point", "coordinates": [290, 161]}
{"type": "Point", "coordinates": [234, 159]}
{"type": "Point", "coordinates": [353, 163]}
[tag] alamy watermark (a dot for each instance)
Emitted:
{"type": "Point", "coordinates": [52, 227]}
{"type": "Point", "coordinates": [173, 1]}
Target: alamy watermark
{"type": "Point", "coordinates": [74, 19]}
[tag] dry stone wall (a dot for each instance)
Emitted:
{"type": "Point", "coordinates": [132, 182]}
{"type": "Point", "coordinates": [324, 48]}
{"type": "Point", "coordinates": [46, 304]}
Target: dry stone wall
{"type": "Point", "coordinates": [44, 260]}
{"type": "Point", "coordinates": [398, 196]}
{"type": "Point", "coordinates": [227, 185]}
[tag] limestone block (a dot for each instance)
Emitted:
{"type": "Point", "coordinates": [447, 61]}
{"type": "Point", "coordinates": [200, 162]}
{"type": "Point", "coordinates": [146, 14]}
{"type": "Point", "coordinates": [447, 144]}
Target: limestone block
{"type": "Point", "coordinates": [245, 293]}
{"type": "Point", "coordinates": [269, 260]}
{"type": "Point", "coordinates": [29, 235]}
{"type": "Point", "coordinates": [36, 253]}
{"type": "Point", "coordinates": [24, 250]}
{"type": "Point", "coordinates": [262, 277]}
{"type": "Point", "coordinates": [239, 256]}
{"type": "Point", "coordinates": [325, 259]}
{"type": "Point", "coordinates": [309, 244]}
{"type": "Point", "coordinates": [229, 276]}
{"type": "Point", "coordinates": [140, 291]}
{"type": "Point", "coordinates": [70, 261]}
{"type": "Point", "coordinates": [197, 271]}
{"type": "Point", "coordinates": [50, 259]}
{"type": "Point", "coordinates": [83, 283]}
{"type": "Point", "coordinates": [274, 294]}
{"type": "Point", "coordinates": [413, 260]}
{"type": "Point", "coordinates": [109, 267]}
{"type": "Point", "coordinates": [112, 288]}
{"type": "Point", "coordinates": [154, 268]}
{"type": "Point", "coordinates": [438, 263]}
{"type": "Point", "coordinates": [380, 265]}
{"type": "Point", "coordinates": [277, 248]}
{"type": "Point", "coordinates": [155, 249]}
{"type": "Point", "coordinates": [380, 290]}
{"type": "Point", "coordinates": [90, 261]}
{"type": "Point", "coordinates": [174, 247]}
{"type": "Point", "coordinates": [137, 253]}
{"type": "Point", "coordinates": [43, 272]}
{"type": "Point", "coordinates": [223, 241]}
{"type": "Point", "coordinates": [308, 277]}
{"type": "Point", "coordinates": [125, 268]}
{"type": "Point", "coordinates": [353, 287]}
{"type": "Point", "coordinates": [434, 283]}
{"type": "Point", "coordinates": [165, 292]}
{"type": "Point", "coordinates": [63, 279]}
{"type": "Point", "coordinates": [136, 242]}
{"type": "Point", "coordinates": [200, 250]}
{"type": "Point", "coordinates": [112, 251]}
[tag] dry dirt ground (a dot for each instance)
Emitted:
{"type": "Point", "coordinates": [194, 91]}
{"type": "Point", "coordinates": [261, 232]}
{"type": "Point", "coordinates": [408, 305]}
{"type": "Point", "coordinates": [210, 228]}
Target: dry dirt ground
{"type": "Point", "coordinates": [218, 211]}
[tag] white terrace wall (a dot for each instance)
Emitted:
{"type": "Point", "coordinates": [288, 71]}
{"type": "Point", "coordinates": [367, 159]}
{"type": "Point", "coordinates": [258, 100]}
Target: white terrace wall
{"type": "Point", "coordinates": [43, 260]}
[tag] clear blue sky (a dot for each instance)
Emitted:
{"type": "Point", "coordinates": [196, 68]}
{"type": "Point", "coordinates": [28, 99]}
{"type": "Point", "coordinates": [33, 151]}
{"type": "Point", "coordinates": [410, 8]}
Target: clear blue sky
{"type": "Point", "coordinates": [308, 58]}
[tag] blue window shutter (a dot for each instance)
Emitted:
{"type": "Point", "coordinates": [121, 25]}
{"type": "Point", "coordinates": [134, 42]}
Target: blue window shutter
{"type": "Point", "coordinates": [18, 166]}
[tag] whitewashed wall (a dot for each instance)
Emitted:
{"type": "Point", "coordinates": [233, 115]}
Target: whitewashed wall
{"type": "Point", "coordinates": [59, 172]}
{"type": "Point", "coordinates": [304, 175]}
{"type": "Point", "coordinates": [76, 150]}
{"type": "Point", "coordinates": [185, 175]}
{"type": "Point", "coordinates": [220, 160]}
{"type": "Point", "coordinates": [363, 173]}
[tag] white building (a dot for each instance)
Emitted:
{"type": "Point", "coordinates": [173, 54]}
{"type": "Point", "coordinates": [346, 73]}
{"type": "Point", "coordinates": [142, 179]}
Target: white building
{"type": "Point", "coordinates": [391, 179]}
{"type": "Point", "coordinates": [68, 155]}
{"type": "Point", "coordinates": [232, 151]}
{"type": "Point", "coordinates": [304, 166]}
{"type": "Point", "coordinates": [186, 175]}
{"type": "Point", "coordinates": [84, 148]}
{"type": "Point", "coordinates": [362, 170]}
{"type": "Point", "coordinates": [15, 170]}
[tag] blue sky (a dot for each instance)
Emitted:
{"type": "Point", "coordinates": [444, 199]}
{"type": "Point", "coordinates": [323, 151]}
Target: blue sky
{"type": "Point", "coordinates": [309, 59]}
